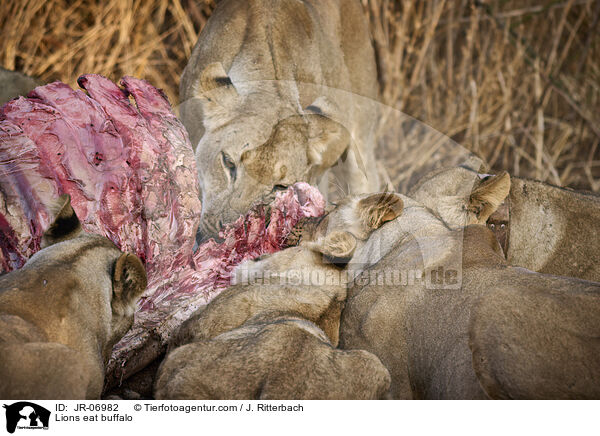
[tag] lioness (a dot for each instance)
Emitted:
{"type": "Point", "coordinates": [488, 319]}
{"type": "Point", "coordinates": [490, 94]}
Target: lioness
{"type": "Point", "coordinates": [272, 334]}
{"type": "Point", "coordinates": [468, 325]}
{"type": "Point", "coordinates": [61, 314]}
{"type": "Point", "coordinates": [277, 92]}
{"type": "Point", "coordinates": [548, 229]}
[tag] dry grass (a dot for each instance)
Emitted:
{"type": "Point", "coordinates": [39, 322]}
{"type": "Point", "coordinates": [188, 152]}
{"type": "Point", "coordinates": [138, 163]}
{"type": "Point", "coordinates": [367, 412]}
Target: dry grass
{"type": "Point", "coordinates": [518, 82]}
{"type": "Point", "coordinates": [62, 39]}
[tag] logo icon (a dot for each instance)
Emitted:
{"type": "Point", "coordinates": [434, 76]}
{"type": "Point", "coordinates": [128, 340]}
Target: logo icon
{"type": "Point", "coordinates": [26, 415]}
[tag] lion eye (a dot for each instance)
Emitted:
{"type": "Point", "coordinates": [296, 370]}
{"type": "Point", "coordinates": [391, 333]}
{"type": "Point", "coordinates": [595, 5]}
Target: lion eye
{"type": "Point", "coordinates": [229, 164]}
{"type": "Point", "coordinates": [279, 188]}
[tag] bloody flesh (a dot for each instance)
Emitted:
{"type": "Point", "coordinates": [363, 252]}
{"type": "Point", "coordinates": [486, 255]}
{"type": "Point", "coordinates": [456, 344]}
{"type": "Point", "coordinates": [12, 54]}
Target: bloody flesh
{"type": "Point", "coordinates": [127, 163]}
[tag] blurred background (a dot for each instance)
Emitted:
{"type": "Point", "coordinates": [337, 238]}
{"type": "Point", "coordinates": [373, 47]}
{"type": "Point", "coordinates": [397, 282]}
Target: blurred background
{"type": "Point", "coordinates": [516, 82]}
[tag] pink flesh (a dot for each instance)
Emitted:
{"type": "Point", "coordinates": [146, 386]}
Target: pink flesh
{"type": "Point", "coordinates": [131, 174]}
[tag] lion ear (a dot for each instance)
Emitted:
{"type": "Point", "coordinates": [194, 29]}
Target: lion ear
{"type": "Point", "coordinates": [489, 195]}
{"type": "Point", "coordinates": [337, 246]}
{"type": "Point", "coordinates": [129, 282]}
{"type": "Point", "coordinates": [328, 138]}
{"type": "Point", "coordinates": [377, 209]}
{"type": "Point", "coordinates": [65, 226]}
{"type": "Point", "coordinates": [268, 163]}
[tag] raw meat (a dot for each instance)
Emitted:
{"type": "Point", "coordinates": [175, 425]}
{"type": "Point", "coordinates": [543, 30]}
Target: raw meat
{"type": "Point", "coordinates": [129, 168]}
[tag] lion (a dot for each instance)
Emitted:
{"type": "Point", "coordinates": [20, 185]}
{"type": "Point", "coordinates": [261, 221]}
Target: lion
{"type": "Point", "coordinates": [451, 319]}
{"type": "Point", "coordinates": [548, 229]}
{"type": "Point", "coordinates": [273, 333]}
{"type": "Point", "coordinates": [63, 311]}
{"type": "Point", "coordinates": [277, 92]}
